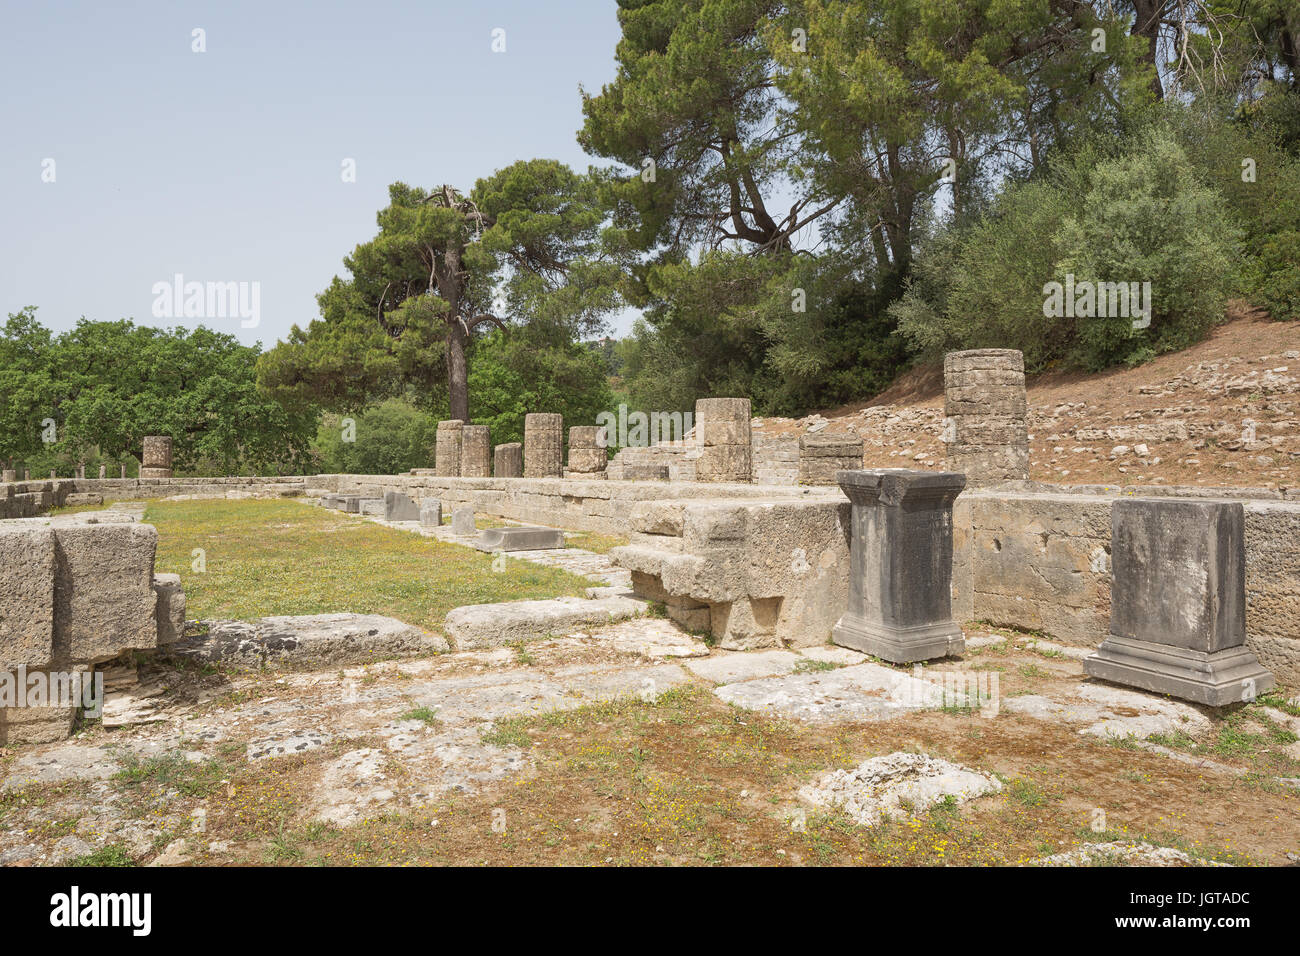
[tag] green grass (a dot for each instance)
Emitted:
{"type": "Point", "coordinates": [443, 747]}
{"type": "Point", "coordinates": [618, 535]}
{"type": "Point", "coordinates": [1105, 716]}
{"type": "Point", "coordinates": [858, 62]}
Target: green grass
{"type": "Point", "coordinates": [285, 557]}
{"type": "Point", "coordinates": [112, 855]}
{"type": "Point", "coordinates": [596, 543]}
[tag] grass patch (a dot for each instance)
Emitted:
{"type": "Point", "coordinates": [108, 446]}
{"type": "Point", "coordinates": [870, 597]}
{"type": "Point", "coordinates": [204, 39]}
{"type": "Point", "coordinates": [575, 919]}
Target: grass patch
{"type": "Point", "coordinates": [112, 855]}
{"type": "Point", "coordinates": [284, 557]}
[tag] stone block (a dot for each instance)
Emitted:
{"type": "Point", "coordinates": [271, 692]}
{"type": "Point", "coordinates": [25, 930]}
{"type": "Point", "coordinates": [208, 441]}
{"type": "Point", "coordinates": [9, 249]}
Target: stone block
{"type": "Point", "coordinates": [462, 521]}
{"type": "Point", "coordinates": [171, 607]}
{"type": "Point", "coordinates": [26, 596]}
{"type": "Point", "coordinates": [399, 507]}
{"type": "Point", "coordinates": [430, 513]}
{"type": "Point", "coordinates": [370, 506]}
{"type": "Point", "coordinates": [508, 460]}
{"type": "Point", "coordinates": [645, 472]}
{"type": "Point", "coordinates": [519, 538]}
{"type": "Point", "coordinates": [900, 598]}
{"type": "Point", "coordinates": [1178, 602]}
{"type": "Point", "coordinates": [104, 600]}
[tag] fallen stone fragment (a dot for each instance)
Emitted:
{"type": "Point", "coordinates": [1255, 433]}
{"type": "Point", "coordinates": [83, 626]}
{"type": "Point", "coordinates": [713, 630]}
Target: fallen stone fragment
{"type": "Point", "coordinates": [895, 785]}
{"type": "Point", "coordinates": [521, 538]}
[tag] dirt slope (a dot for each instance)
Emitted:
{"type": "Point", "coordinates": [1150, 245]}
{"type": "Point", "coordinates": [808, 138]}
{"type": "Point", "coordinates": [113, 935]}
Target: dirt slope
{"type": "Point", "coordinates": [1223, 412]}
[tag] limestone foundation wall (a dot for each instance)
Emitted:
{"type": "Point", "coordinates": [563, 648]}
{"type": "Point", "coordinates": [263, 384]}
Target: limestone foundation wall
{"type": "Point", "coordinates": [985, 407]}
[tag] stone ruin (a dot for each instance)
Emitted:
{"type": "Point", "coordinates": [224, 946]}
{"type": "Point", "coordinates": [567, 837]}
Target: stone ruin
{"type": "Point", "coordinates": [543, 445]}
{"type": "Point", "coordinates": [985, 405]}
{"type": "Point", "coordinates": [76, 592]}
{"type": "Point", "coordinates": [888, 562]}
{"type": "Point", "coordinates": [155, 458]}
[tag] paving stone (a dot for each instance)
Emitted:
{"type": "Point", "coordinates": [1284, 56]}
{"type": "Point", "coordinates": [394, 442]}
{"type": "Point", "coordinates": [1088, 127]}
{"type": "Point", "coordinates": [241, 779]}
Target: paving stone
{"type": "Point", "coordinates": [827, 654]}
{"type": "Point", "coordinates": [862, 692]}
{"type": "Point", "coordinates": [1106, 711]}
{"type": "Point", "coordinates": [729, 668]}
{"type": "Point", "coordinates": [492, 625]}
{"type": "Point", "coordinates": [306, 640]}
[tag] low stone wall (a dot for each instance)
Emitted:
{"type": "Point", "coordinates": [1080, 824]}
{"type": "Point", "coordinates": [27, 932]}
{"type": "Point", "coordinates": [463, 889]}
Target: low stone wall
{"type": "Point", "coordinates": [581, 505]}
{"type": "Point", "coordinates": [1041, 561]}
{"type": "Point", "coordinates": [27, 499]}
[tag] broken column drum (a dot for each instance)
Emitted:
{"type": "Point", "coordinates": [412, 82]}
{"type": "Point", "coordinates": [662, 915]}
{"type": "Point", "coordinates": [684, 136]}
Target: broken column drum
{"type": "Point", "coordinates": [156, 457]}
{"type": "Point", "coordinates": [447, 448]}
{"type": "Point", "coordinates": [543, 445]}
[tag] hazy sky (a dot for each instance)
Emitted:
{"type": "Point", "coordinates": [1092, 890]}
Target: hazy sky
{"type": "Point", "coordinates": [226, 165]}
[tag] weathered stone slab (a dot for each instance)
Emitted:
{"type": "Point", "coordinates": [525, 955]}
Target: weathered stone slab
{"type": "Point", "coordinates": [508, 460]}
{"type": "Point", "coordinates": [430, 513]}
{"type": "Point", "coordinates": [523, 538]}
{"type": "Point", "coordinates": [478, 626]}
{"type": "Point", "coordinates": [1178, 602]}
{"type": "Point", "coordinates": [309, 640]}
{"type": "Point", "coordinates": [729, 668]}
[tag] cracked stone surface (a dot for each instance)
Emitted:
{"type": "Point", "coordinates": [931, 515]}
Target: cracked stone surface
{"type": "Point", "coordinates": [1105, 711]}
{"type": "Point", "coordinates": [729, 668]}
{"type": "Point", "coordinates": [865, 691]}
{"type": "Point", "coordinates": [895, 785]}
{"type": "Point", "coordinates": [351, 732]}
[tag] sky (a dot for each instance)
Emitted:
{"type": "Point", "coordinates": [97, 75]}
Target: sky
{"type": "Point", "coordinates": [127, 157]}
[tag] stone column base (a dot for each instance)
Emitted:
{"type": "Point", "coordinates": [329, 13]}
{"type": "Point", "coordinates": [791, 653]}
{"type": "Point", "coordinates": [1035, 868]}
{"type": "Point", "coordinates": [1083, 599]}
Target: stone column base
{"type": "Point", "coordinates": [1215, 678]}
{"type": "Point", "coordinates": [155, 472]}
{"type": "Point", "coordinates": [899, 645]}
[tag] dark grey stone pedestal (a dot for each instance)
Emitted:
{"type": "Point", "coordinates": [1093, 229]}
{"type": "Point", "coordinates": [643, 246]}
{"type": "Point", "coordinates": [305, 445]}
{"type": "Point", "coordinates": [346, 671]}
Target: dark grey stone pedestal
{"type": "Point", "coordinates": [1178, 602]}
{"type": "Point", "coordinates": [900, 595]}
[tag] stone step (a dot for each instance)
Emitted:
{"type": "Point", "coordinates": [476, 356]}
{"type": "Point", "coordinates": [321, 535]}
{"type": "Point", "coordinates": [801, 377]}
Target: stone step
{"type": "Point", "coordinates": [478, 626]}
